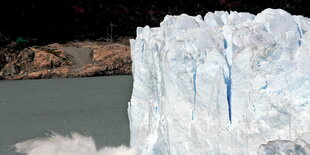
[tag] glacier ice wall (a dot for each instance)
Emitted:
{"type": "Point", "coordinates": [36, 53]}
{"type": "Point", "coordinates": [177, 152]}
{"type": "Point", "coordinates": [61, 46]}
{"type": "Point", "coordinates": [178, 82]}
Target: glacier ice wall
{"type": "Point", "coordinates": [222, 84]}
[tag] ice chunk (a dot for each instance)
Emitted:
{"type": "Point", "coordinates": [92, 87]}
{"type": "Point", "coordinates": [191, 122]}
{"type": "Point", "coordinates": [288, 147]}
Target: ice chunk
{"type": "Point", "coordinates": [222, 85]}
{"type": "Point", "coordinates": [284, 147]}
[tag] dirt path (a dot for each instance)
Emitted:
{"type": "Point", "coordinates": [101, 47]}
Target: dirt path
{"type": "Point", "coordinates": [81, 56]}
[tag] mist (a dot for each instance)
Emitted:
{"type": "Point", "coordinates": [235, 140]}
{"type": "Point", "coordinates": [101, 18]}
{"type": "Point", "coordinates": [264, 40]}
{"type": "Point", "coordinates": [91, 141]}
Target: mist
{"type": "Point", "coordinates": [73, 144]}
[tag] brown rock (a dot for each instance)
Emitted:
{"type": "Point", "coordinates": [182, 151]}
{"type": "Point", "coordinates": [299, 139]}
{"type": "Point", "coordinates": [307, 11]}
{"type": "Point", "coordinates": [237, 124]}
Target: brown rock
{"type": "Point", "coordinates": [54, 45]}
{"type": "Point", "coordinates": [10, 69]}
{"type": "Point", "coordinates": [39, 75]}
{"type": "Point", "coordinates": [44, 59]}
{"type": "Point", "coordinates": [61, 72]}
{"type": "Point", "coordinates": [55, 61]}
{"type": "Point", "coordinates": [111, 52]}
{"type": "Point", "coordinates": [17, 77]}
{"type": "Point", "coordinates": [2, 59]}
{"type": "Point", "coordinates": [90, 70]}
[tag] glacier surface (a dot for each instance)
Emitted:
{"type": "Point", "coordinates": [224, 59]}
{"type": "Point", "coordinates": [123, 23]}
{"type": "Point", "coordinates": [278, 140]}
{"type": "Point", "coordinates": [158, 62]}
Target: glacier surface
{"type": "Point", "coordinates": [223, 84]}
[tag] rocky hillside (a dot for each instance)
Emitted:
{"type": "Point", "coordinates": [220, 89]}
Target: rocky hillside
{"type": "Point", "coordinates": [75, 59]}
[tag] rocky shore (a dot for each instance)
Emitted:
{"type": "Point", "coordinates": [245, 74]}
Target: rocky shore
{"type": "Point", "coordinates": [74, 59]}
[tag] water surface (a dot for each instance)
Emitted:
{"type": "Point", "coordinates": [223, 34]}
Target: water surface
{"type": "Point", "coordinates": [91, 106]}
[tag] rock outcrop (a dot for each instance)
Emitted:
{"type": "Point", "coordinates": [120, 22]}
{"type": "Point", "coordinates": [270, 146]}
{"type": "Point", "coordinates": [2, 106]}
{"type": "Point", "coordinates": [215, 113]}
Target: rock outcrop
{"type": "Point", "coordinates": [76, 59]}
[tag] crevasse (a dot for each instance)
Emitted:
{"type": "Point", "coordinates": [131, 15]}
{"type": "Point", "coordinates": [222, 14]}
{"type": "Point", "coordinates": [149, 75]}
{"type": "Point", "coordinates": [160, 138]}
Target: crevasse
{"type": "Point", "coordinates": [223, 84]}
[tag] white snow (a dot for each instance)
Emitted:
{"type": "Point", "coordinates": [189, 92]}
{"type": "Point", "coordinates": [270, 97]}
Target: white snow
{"type": "Point", "coordinates": [222, 84]}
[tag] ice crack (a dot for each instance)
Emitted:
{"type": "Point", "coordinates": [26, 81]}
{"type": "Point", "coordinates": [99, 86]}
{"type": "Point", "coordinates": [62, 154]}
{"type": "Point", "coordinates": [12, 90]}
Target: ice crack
{"type": "Point", "coordinates": [228, 83]}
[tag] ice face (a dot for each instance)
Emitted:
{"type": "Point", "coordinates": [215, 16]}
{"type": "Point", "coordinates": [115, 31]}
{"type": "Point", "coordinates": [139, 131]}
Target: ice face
{"type": "Point", "coordinates": [222, 84]}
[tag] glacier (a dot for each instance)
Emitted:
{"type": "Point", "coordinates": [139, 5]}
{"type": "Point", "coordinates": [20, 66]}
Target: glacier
{"type": "Point", "coordinates": [227, 83]}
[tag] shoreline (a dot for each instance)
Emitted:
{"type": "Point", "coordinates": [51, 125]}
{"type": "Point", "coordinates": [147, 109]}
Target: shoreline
{"type": "Point", "coordinates": [69, 60]}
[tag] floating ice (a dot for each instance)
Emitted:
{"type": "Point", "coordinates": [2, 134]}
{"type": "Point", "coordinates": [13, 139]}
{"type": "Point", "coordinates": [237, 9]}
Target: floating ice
{"type": "Point", "coordinates": [220, 85]}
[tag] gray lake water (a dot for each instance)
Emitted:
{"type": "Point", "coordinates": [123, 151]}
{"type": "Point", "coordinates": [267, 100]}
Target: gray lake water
{"type": "Point", "coordinates": [95, 107]}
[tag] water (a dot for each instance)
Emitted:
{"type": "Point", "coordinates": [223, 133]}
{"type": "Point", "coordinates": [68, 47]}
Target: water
{"type": "Point", "coordinates": [91, 106]}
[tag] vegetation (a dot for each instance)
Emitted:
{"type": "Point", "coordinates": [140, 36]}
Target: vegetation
{"type": "Point", "coordinates": [63, 20]}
